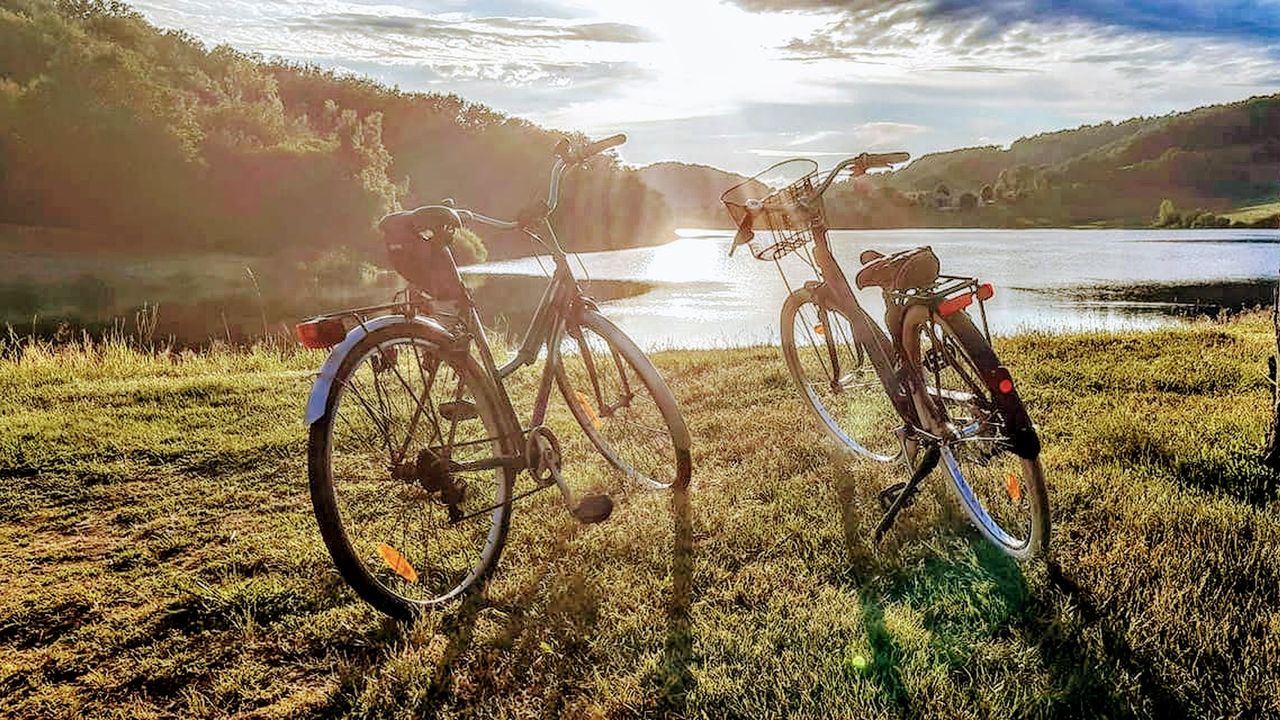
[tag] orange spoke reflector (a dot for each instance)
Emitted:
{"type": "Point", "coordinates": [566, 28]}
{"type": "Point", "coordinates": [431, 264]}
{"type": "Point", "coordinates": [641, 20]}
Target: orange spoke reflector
{"type": "Point", "coordinates": [820, 329]}
{"type": "Point", "coordinates": [398, 562]}
{"type": "Point", "coordinates": [586, 408]}
{"type": "Point", "coordinates": [1014, 487]}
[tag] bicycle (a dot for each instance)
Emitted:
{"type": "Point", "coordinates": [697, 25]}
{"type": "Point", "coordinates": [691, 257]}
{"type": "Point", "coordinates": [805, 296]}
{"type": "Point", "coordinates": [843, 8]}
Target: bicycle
{"type": "Point", "coordinates": [931, 381]}
{"type": "Point", "coordinates": [414, 442]}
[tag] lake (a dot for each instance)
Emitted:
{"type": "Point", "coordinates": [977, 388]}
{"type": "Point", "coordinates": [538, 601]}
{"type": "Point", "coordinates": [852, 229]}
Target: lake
{"type": "Point", "coordinates": [1049, 280]}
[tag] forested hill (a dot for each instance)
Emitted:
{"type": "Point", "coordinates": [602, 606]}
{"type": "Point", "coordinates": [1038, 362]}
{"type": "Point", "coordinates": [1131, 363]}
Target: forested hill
{"type": "Point", "coordinates": [1215, 158]}
{"type": "Point", "coordinates": [691, 191]}
{"type": "Point", "coordinates": [110, 124]}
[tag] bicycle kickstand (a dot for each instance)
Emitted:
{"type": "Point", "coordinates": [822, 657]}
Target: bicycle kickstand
{"type": "Point", "coordinates": [906, 491]}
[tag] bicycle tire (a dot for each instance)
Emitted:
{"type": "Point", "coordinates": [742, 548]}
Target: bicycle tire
{"type": "Point", "coordinates": [338, 540]}
{"type": "Point", "coordinates": [869, 403]}
{"type": "Point", "coordinates": [972, 466]}
{"type": "Point", "coordinates": [578, 395]}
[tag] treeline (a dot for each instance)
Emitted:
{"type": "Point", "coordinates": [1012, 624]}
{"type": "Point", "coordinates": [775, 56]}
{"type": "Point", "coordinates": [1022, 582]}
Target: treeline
{"type": "Point", "coordinates": [1215, 157]}
{"type": "Point", "coordinates": [1168, 216]}
{"type": "Point", "coordinates": [111, 124]}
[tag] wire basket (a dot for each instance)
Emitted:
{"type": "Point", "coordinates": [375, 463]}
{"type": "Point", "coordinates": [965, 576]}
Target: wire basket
{"type": "Point", "coordinates": [788, 216]}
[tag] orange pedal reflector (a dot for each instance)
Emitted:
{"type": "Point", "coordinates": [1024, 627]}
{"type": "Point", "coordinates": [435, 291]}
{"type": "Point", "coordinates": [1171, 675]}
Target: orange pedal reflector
{"type": "Point", "coordinates": [586, 408]}
{"type": "Point", "coordinates": [399, 563]}
{"type": "Point", "coordinates": [820, 329]}
{"type": "Point", "coordinates": [1014, 487]}
{"type": "Point", "coordinates": [986, 291]}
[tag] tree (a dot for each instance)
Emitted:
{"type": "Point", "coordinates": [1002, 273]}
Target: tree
{"type": "Point", "coordinates": [1167, 215]}
{"type": "Point", "coordinates": [987, 194]}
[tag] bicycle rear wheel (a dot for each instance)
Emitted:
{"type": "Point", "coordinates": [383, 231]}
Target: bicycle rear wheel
{"type": "Point", "coordinates": [406, 525]}
{"type": "Point", "coordinates": [622, 404]}
{"type": "Point", "coordinates": [1003, 494]}
{"type": "Point", "coordinates": [837, 380]}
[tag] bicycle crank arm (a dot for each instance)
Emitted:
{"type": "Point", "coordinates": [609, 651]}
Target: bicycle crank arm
{"type": "Point", "coordinates": [908, 490]}
{"type": "Point", "coordinates": [544, 450]}
{"type": "Point", "coordinates": [590, 509]}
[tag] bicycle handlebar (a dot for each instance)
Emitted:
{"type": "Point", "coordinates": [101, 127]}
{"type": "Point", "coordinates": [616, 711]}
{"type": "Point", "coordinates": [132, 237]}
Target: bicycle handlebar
{"type": "Point", "coordinates": [861, 164]}
{"type": "Point", "coordinates": [573, 156]}
{"type": "Point", "coordinates": [567, 156]}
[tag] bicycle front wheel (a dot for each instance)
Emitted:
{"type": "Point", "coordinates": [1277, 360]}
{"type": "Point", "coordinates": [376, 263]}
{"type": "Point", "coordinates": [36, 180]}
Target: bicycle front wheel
{"type": "Point", "coordinates": [837, 379]}
{"type": "Point", "coordinates": [407, 471]}
{"type": "Point", "coordinates": [622, 404]}
{"type": "Point", "coordinates": [1003, 494]}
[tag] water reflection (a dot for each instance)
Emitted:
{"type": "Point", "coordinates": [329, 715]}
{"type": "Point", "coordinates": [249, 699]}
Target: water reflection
{"type": "Point", "coordinates": [1054, 280]}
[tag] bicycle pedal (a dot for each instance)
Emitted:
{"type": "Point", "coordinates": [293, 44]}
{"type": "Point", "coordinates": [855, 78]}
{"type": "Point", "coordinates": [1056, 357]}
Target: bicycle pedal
{"type": "Point", "coordinates": [890, 494]}
{"type": "Point", "coordinates": [593, 509]}
{"type": "Point", "coordinates": [458, 410]}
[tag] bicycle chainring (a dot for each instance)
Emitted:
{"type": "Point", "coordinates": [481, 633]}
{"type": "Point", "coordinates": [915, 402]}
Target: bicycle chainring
{"type": "Point", "coordinates": [542, 453]}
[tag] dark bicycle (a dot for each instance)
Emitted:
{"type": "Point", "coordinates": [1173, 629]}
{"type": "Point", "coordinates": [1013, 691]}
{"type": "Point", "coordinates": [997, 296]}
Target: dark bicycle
{"type": "Point", "coordinates": [932, 382]}
{"type": "Point", "coordinates": [414, 442]}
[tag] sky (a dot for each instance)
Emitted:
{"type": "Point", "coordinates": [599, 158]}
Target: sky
{"type": "Point", "coordinates": [739, 84]}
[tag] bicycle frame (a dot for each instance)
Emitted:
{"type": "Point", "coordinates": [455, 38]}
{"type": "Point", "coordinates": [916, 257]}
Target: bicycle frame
{"type": "Point", "coordinates": [556, 310]}
{"type": "Point", "coordinates": [833, 291]}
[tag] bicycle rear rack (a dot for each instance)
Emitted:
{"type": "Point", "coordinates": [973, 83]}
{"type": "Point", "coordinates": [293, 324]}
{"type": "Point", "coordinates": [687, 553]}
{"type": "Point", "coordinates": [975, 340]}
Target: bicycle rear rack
{"type": "Point", "coordinates": [328, 329]}
{"type": "Point", "coordinates": [948, 288]}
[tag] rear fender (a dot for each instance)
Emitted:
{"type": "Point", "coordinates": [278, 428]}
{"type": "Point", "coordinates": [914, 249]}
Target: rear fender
{"type": "Point", "coordinates": [1022, 432]}
{"type": "Point", "coordinates": [320, 389]}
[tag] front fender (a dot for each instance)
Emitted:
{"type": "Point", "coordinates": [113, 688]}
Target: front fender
{"type": "Point", "coordinates": [320, 389]}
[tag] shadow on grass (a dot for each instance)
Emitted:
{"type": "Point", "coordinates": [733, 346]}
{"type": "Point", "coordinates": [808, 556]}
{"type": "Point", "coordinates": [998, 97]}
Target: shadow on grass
{"type": "Point", "coordinates": [566, 622]}
{"type": "Point", "coordinates": [973, 597]}
{"type": "Point", "coordinates": [1162, 702]}
{"type": "Point", "coordinates": [674, 679]}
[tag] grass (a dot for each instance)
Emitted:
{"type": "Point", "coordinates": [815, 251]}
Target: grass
{"type": "Point", "coordinates": [161, 559]}
{"type": "Point", "coordinates": [1251, 213]}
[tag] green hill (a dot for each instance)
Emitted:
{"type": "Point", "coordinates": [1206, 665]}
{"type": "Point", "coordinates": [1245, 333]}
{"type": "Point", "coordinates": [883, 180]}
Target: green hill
{"type": "Point", "coordinates": [691, 191]}
{"type": "Point", "coordinates": [1216, 158]}
{"type": "Point", "coordinates": [147, 137]}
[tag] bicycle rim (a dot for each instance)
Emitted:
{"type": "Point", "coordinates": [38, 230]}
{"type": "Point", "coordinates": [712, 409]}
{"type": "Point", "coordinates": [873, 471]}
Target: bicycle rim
{"type": "Point", "coordinates": [838, 381]}
{"type": "Point", "coordinates": [1003, 494]}
{"type": "Point", "coordinates": [398, 416]}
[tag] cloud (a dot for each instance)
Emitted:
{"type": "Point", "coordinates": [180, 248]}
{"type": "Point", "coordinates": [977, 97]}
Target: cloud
{"type": "Point", "coordinates": [1257, 20]}
{"type": "Point", "coordinates": [876, 135]}
{"type": "Point", "coordinates": [500, 30]}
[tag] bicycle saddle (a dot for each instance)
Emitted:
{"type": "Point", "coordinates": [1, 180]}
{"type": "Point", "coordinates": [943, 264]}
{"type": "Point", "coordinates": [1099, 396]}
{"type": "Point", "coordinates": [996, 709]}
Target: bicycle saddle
{"type": "Point", "coordinates": [416, 243]}
{"type": "Point", "coordinates": [917, 267]}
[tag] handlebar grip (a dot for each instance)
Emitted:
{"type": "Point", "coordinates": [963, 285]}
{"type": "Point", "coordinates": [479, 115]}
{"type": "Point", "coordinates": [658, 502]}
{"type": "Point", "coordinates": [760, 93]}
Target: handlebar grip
{"type": "Point", "coordinates": [573, 156]}
{"type": "Point", "coordinates": [885, 159]}
{"type": "Point", "coordinates": [601, 145]}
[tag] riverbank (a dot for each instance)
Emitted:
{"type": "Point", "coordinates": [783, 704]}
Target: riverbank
{"type": "Point", "coordinates": [162, 559]}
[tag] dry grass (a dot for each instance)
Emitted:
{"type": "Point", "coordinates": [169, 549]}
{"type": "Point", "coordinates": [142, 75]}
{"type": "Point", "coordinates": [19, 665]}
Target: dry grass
{"type": "Point", "coordinates": [161, 559]}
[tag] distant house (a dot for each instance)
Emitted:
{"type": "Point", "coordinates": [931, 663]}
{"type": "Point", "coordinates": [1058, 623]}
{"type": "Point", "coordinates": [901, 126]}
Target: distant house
{"type": "Point", "coordinates": [942, 197]}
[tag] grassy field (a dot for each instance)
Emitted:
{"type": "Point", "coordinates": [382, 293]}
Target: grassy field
{"type": "Point", "coordinates": [160, 557]}
{"type": "Point", "coordinates": [1254, 212]}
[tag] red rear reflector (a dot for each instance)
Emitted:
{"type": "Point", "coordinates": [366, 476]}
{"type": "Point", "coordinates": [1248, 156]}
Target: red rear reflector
{"type": "Point", "coordinates": [1006, 386]}
{"type": "Point", "coordinates": [986, 291]}
{"type": "Point", "coordinates": [320, 334]}
{"type": "Point", "coordinates": [955, 304]}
